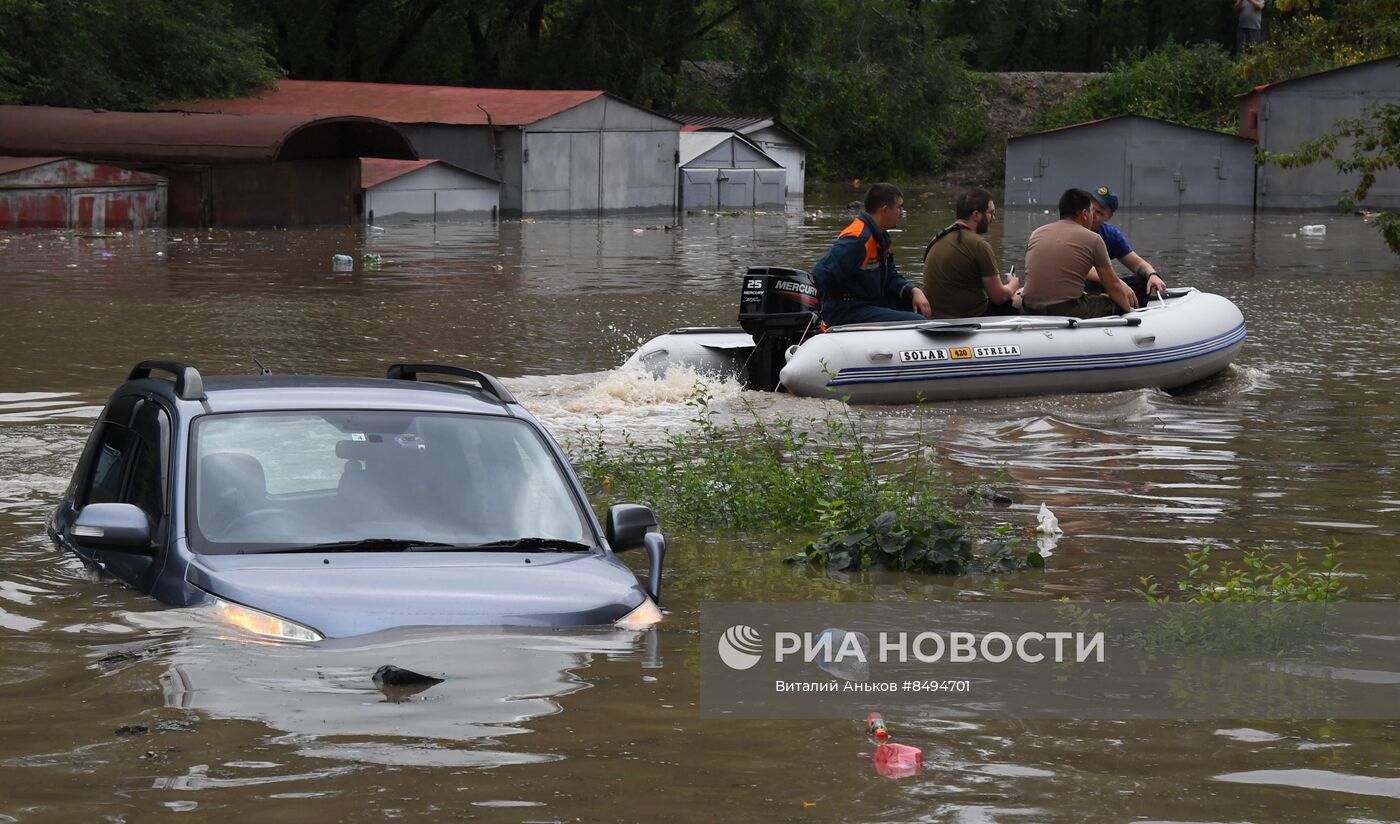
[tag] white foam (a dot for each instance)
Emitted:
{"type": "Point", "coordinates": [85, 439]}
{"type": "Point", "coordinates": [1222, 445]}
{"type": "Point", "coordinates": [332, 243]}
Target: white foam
{"type": "Point", "coordinates": [625, 402]}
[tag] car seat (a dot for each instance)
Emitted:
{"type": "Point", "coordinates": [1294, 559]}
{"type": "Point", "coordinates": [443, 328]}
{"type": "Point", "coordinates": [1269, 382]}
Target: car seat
{"type": "Point", "coordinates": [230, 485]}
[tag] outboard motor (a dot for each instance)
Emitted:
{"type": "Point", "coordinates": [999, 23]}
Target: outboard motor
{"type": "Point", "coordinates": [778, 307]}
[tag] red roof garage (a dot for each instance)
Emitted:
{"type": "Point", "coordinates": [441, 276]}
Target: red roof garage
{"type": "Point", "coordinates": [63, 193]}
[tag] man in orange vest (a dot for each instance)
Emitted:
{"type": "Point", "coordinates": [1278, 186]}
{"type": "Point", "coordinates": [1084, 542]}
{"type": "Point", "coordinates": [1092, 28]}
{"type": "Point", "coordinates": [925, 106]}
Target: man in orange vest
{"type": "Point", "coordinates": [857, 279]}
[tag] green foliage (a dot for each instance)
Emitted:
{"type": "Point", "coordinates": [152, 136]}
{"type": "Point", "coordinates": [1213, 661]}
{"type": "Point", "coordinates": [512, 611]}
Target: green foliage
{"type": "Point", "coordinates": [1258, 577]}
{"type": "Point", "coordinates": [870, 83]}
{"type": "Point", "coordinates": [768, 474]}
{"type": "Point", "coordinates": [1194, 86]}
{"type": "Point", "coordinates": [935, 544]}
{"type": "Point", "coordinates": [1077, 35]}
{"type": "Point", "coordinates": [875, 510]}
{"type": "Point", "coordinates": [126, 54]}
{"type": "Point", "coordinates": [964, 128]}
{"type": "Point", "coordinates": [1309, 36]}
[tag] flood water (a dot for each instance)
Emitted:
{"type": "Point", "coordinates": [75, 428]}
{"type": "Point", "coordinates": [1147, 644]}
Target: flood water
{"type": "Point", "coordinates": [1294, 447]}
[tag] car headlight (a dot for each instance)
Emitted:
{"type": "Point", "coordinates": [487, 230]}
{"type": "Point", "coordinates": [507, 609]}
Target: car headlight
{"type": "Point", "coordinates": [267, 625]}
{"type": "Point", "coordinates": [646, 614]}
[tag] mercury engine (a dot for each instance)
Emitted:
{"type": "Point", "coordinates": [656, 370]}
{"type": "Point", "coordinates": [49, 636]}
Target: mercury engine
{"type": "Point", "coordinates": [778, 307]}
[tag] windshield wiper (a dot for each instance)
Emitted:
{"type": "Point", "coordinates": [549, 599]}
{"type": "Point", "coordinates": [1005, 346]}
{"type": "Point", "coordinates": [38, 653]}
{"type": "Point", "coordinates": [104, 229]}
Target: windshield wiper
{"type": "Point", "coordinates": [370, 545]}
{"type": "Point", "coordinates": [536, 544]}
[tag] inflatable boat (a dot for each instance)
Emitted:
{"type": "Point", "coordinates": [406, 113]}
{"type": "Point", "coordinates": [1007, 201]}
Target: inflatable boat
{"type": "Point", "coordinates": [1175, 340]}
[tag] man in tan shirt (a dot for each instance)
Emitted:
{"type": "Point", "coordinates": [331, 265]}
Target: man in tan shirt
{"type": "Point", "coordinates": [1059, 256]}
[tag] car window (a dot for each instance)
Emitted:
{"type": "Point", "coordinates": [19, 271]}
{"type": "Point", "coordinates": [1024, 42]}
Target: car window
{"type": "Point", "coordinates": [297, 452]}
{"type": "Point", "coordinates": [145, 490]}
{"type": "Point", "coordinates": [114, 453]}
{"type": "Point", "coordinates": [269, 480]}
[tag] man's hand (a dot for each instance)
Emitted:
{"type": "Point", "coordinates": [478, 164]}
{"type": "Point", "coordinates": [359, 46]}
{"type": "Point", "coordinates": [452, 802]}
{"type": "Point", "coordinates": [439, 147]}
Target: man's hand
{"type": "Point", "coordinates": [921, 305]}
{"type": "Point", "coordinates": [1156, 284]}
{"type": "Point", "coordinates": [1122, 295]}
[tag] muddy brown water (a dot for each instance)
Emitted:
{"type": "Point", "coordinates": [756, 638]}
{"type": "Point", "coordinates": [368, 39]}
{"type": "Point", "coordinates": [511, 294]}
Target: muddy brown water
{"type": "Point", "coordinates": [1293, 447]}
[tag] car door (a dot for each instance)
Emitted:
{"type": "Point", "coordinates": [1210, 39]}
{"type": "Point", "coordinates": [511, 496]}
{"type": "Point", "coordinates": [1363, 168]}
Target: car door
{"type": "Point", "coordinates": [130, 464]}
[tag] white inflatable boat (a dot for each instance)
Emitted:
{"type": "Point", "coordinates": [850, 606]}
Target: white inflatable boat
{"type": "Point", "coordinates": [1186, 337]}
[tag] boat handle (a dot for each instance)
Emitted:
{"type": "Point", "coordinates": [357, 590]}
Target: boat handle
{"type": "Point", "coordinates": [880, 354]}
{"type": "Point", "coordinates": [1144, 340]}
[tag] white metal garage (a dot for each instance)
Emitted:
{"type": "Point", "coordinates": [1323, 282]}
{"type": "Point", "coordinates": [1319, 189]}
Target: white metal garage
{"type": "Point", "coordinates": [427, 189]}
{"type": "Point", "coordinates": [721, 171]}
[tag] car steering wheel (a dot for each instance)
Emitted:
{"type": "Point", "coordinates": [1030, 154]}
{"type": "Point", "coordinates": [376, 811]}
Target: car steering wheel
{"type": "Point", "coordinates": [250, 522]}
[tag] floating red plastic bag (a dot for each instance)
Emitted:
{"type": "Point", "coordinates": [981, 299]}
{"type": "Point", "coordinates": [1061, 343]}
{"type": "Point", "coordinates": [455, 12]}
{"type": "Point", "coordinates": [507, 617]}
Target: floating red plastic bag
{"type": "Point", "coordinates": [898, 760]}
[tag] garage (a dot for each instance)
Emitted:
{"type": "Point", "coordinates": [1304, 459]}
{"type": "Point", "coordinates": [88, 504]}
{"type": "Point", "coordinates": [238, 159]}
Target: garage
{"type": "Point", "coordinates": [425, 190]}
{"type": "Point", "coordinates": [64, 193]}
{"type": "Point", "coordinates": [1150, 163]}
{"type": "Point", "coordinates": [722, 171]}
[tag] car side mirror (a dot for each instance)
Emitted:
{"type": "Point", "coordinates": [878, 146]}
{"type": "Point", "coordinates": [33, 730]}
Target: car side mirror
{"type": "Point", "coordinates": [628, 525]}
{"type": "Point", "coordinates": [120, 527]}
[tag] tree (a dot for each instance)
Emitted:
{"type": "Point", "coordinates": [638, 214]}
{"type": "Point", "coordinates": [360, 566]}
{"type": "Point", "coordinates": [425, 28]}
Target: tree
{"type": "Point", "coordinates": [126, 54]}
{"type": "Point", "coordinates": [1309, 36]}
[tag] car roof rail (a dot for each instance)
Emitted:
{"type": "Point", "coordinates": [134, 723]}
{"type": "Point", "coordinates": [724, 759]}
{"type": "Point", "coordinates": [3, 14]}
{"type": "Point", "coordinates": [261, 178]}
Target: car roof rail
{"type": "Point", "coordinates": [189, 385]}
{"type": "Point", "coordinates": [489, 383]}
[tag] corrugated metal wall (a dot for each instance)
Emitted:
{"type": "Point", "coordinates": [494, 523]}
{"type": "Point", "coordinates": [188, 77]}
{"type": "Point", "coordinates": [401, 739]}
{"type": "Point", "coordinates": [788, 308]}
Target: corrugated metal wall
{"type": "Point", "coordinates": [301, 193]}
{"type": "Point", "coordinates": [1149, 163]}
{"type": "Point", "coordinates": [791, 157]}
{"type": "Point", "coordinates": [1299, 110]}
{"type": "Point", "coordinates": [602, 156]}
{"type": "Point", "coordinates": [732, 174]}
{"type": "Point", "coordinates": [69, 194]}
{"type": "Point", "coordinates": [435, 193]}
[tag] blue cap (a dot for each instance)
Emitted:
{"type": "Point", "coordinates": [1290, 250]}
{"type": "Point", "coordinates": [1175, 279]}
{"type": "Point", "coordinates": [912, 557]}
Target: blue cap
{"type": "Point", "coordinates": [1106, 198]}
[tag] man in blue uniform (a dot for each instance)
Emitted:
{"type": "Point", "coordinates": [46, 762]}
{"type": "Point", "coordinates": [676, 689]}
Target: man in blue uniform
{"type": "Point", "coordinates": [857, 279]}
{"type": "Point", "coordinates": [1144, 279]}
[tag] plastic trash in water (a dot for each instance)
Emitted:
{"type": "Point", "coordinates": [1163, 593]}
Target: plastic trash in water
{"type": "Point", "coordinates": [1047, 531]}
{"type": "Point", "coordinates": [892, 760]}
{"type": "Point", "coordinates": [848, 656]}
{"type": "Point", "coordinates": [342, 263]}
{"type": "Point", "coordinates": [898, 760]}
{"type": "Point", "coordinates": [875, 727]}
{"type": "Point", "coordinates": [371, 260]}
{"type": "Point", "coordinates": [1313, 230]}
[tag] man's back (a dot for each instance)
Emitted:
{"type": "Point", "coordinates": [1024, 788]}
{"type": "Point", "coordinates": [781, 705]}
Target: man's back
{"type": "Point", "coordinates": [1059, 256]}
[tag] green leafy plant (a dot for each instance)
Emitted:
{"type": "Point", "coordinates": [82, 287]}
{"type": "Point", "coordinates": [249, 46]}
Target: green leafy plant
{"type": "Point", "coordinates": [876, 506]}
{"type": "Point", "coordinates": [1258, 576]}
{"type": "Point", "coordinates": [938, 545]}
{"type": "Point", "coordinates": [1194, 86]}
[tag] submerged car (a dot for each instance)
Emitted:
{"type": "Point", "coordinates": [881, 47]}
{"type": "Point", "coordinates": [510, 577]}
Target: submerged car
{"type": "Point", "coordinates": [310, 507]}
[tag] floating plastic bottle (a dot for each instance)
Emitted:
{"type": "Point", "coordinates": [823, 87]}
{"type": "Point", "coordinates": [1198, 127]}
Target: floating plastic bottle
{"type": "Point", "coordinates": [1047, 531]}
{"type": "Point", "coordinates": [892, 760]}
{"type": "Point", "coordinates": [847, 654]}
{"type": "Point", "coordinates": [875, 727]}
{"type": "Point", "coordinates": [342, 263]}
{"type": "Point", "coordinates": [1313, 230]}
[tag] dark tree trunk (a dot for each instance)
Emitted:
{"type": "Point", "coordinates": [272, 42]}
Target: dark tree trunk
{"type": "Point", "coordinates": [1091, 36]}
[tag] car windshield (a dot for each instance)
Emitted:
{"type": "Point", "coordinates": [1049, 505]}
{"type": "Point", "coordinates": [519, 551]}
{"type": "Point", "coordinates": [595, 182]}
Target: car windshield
{"type": "Point", "coordinates": [278, 481]}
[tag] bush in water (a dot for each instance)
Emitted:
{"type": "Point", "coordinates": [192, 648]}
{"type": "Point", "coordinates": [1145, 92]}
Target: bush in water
{"type": "Point", "coordinates": [1259, 576]}
{"type": "Point", "coordinates": [877, 507]}
{"type": "Point", "coordinates": [938, 545]}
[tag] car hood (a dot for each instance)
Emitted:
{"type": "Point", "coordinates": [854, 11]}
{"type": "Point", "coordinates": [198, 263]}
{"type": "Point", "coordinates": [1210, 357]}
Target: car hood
{"type": "Point", "coordinates": [342, 594]}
